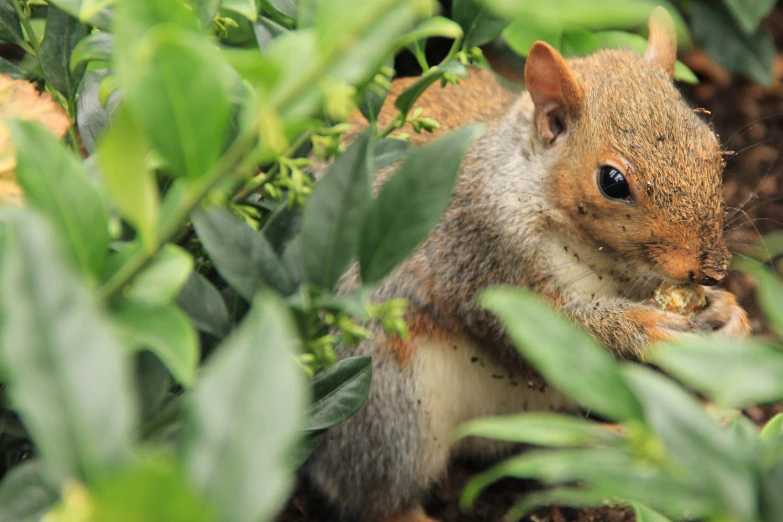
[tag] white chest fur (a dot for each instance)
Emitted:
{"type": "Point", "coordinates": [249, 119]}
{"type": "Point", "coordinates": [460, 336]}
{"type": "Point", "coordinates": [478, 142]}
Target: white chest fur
{"type": "Point", "coordinates": [456, 383]}
{"type": "Point", "coordinates": [587, 273]}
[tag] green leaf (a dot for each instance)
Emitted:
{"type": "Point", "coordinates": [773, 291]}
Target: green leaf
{"type": "Point", "coordinates": [769, 291]}
{"type": "Point", "coordinates": [592, 378]}
{"type": "Point", "coordinates": [523, 31]}
{"type": "Point", "coordinates": [10, 69]}
{"type": "Point", "coordinates": [66, 373]}
{"type": "Point", "coordinates": [435, 26]}
{"type": "Point", "coordinates": [749, 13]}
{"type": "Point", "coordinates": [408, 97]}
{"type": "Point", "coordinates": [604, 472]}
{"type": "Point", "coordinates": [131, 186]}
{"type": "Point", "coordinates": [267, 30]}
{"type": "Point", "coordinates": [91, 116]}
{"type": "Point", "coordinates": [10, 30]}
{"type": "Point", "coordinates": [339, 392]}
{"type": "Point", "coordinates": [24, 495]}
{"type": "Point", "coordinates": [62, 34]}
{"type": "Point", "coordinates": [165, 331]}
{"type": "Point", "coordinates": [56, 184]}
{"type": "Point", "coordinates": [751, 55]}
{"type": "Point", "coordinates": [244, 415]}
{"type": "Point", "coordinates": [95, 47]}
{"type": "Point", "coordinates": [241, 255]}
{"type": "Point", "coordinates": [154, 490]}
{"type": "Point", "coordinates": [246, 8]}
{"type": "Point", "coordinates": [176, 93]}
{"type": "Point", "coordinates": [645, 514]}
{"type": "Point", "coordinates": [735, 374]}
{"type": "Point", "coordinates": [705, 453]}
{"type": "Point", "coordinates": [334, 214]}
{"type": "Point", "coordinates": [478, 24]}
{"type": "Point", "coordinates": [153, 382]}
{"type": "Point", "coordinates": [285, 7]}
{"type": "Point", "coordinates": [305, 448]}
{"type": "Point", "coordinates": [101, 19]}
{"type": "Point", "coordinates": [90, 9]}
{"type": "Point", "coordinates": [542, 429]}
{"type": "Point", "coordinates": [206, 10]}
{"type": "Point", "coordinates": [204, 305]}
{"type": "Point", "coordinates": [389, 151]}
{"type": "Point", "coordinates": [411, 203]}
{"type": "Point", "coordinates": [162, 279]}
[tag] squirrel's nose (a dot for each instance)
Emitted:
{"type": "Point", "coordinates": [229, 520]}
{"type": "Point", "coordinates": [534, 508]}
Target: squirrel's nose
{"type": "Point", "coordinates": [709, 277]}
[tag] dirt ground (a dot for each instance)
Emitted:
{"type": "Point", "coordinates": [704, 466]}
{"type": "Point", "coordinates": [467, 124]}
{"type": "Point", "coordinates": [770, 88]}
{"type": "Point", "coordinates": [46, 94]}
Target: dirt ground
{"type": "Point", "coordinates": [749, 120]}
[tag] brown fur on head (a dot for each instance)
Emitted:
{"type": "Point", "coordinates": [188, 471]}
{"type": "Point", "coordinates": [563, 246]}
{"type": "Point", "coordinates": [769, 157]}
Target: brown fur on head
{"type": "Point", "coordinates": [620, 110]}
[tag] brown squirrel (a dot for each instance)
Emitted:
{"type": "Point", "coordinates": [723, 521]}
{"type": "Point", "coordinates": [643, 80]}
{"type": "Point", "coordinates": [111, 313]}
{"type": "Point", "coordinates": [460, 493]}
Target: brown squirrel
{"type": "Point", "coordinates": [591, 188]}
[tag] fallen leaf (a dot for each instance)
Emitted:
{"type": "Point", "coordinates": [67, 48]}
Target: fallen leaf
{"type": "Point", "coordinates": [19, 99]}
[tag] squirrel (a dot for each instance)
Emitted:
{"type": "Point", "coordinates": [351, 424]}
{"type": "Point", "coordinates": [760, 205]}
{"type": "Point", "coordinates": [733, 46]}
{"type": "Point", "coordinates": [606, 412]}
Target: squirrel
{"type": "Point", "coordinates": [590, 188]}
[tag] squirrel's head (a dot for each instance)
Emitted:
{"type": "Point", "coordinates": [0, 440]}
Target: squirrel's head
{"type": "Point", "coordinates": [638, 170]}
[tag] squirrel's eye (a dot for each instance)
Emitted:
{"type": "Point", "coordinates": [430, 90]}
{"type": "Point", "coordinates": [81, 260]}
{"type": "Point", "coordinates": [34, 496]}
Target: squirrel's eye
{"type": "Point", "coordinates": [613, 184]}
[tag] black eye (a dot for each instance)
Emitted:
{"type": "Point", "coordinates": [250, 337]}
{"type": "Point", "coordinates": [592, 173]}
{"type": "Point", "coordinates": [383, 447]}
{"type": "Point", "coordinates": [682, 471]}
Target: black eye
{"type": "Point", "coordinates": [613, 184]}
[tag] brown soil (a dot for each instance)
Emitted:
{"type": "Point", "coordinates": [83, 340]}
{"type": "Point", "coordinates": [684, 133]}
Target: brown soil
{"type": "Point", "coordinates": [749, 120]}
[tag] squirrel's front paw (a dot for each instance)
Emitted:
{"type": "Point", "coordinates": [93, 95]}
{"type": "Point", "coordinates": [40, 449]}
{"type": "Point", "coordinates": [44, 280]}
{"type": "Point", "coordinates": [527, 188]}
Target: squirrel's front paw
{"type": "Point", "coordinates": [660, 325]}
{"type": "Point", "coordinates": [723, 315]}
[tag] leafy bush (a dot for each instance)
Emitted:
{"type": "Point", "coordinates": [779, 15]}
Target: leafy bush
{"type": "Point", "coordinates": [168, 306]}
{"type": "Point", "coordinates": [669, 456]}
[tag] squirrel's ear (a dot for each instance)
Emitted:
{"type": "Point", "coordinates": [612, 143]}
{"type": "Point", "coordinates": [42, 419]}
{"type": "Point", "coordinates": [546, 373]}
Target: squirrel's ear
{"type": "Point", "coordinates": [662, 44]}
{"type": "Point", "coordinates": [556, 91]}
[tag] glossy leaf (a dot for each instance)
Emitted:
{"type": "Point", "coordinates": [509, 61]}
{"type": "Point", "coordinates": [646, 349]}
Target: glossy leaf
{"type": "Point", "coordinates": [389, 151]}
{"type": "Point", "coordinates": [645, 514]}
{"type": "Point", "coordinates": [603, 472]}
{"type": "Point", "coordinates": [243, 417]}
{"type": "Point", "coordinates": [206, 10]}
{"type": "Point", "coordinates": [165, 331]}
{"type": "Point", "coordinates": [435, 26]}
{"type": "Point", "coordinates": [705, 453]}
{"type": "Point", "coordinates": [154, 490]}
{"type": "Point", "coordinates": [242, 255]}
{"type": "Point", "coordinates": [286, 7]}
{"type": "Point", "coordinates": [411, 203]}
{"type": "Point", "coordinates": [592, 378]}
{"type": "Point", "coordinates": [523, 31]}
{"type": "Point", "coordinates": [174, 93]}
{"type": "Point", "coordinates": [541, 429]}
{"type": "Point", "coordinates": [57, 185]}
{"type": "Point", "coordinates": [334, 215]}
{"type": "Point", "coordinates": [204, 305]}
{"type": "Point", "coordinates": [10, 30]}
{"type": "Point", "coordinates": [160, 282]}
{"type": "Point", "coordinates": [95, 47]}
{"type": "Point", "coordinates": [66, 372]}
{"type": "Point", "coordinates": [130, 184]}
{"type": "Point", "coordinates": [99, 18]}
{"type": "Point", "coordinates": [92, 117]}
{"type": "Point", "coordinates": [24, 494]}
{"type": "Point", "coordinates": [479, 25]}
{"type": "Point", "coordinates": [749, 13]}
{"type": "Point", "coordinates": [266, 30]}
{"type": "Point", "coordinates": [246, 8]}
{"type": "Point", "coordinates": [752, 55]}
{"type": "Point", "coordinates": [63, 33]}
{"type": "Point", "coordinates": [769, 291]}
{"type": "Point", "coordinates": [735, 374]}
{"type": "Point", "coordinates": [339, 392]}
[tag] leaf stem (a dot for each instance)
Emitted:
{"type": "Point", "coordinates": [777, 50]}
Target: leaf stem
{"type": "Point", "coordinates": [225, 166]}
{"type": "Point", "coordinates": [28, 28]}
{"type": "Point", "coordinates": [259, 180]}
